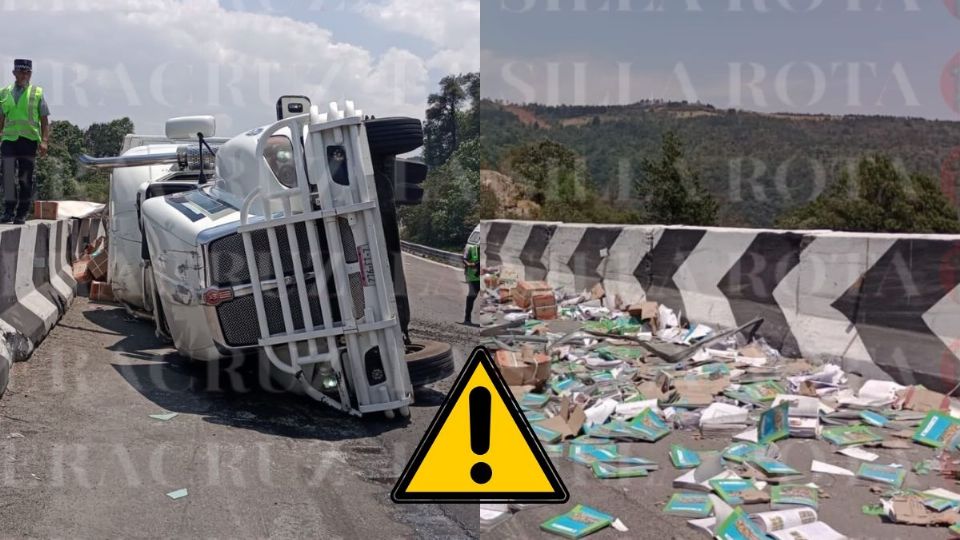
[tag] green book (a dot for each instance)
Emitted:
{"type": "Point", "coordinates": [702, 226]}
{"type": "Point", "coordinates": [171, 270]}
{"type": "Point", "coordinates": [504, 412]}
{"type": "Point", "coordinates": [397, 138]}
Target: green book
{"type": "Point", "coordinates": [553, 450]}
{"type": "Point", "coordinates": [850, 435]}
{"type": "Point", "coordinates": [874, 418]}
{"type": "Point", "coordinates": [739, 526]}
{"type": "Point", "coordinates": [689, 505]}
{"type": "Point", "coordinates": [683, 458]}
{"type": "Point", "coordinates": [531, 400]}
{"type": "Point", "coordinates": [728, 488]}
{"type": "Point", "coordinates": [937, 429]}
{"type": "Point", "coordinates": [741, 451]}
{"type": "Point", "coordinates": [763, 391]}
{"type": "Point", "coordinates": [774, 424]}
{"type": "Point", "coordinates": [580, 521]}
{"type": "Point", "coordinates": [772, 467]}
{"type": "Point", "coordinates": [588, 454]}
{"type": "Point", "coordinates": [605, 470]}
{"type": "Point", "coordinates": [648, 426]}
{"type": "Point", "coordinates": [892, 476]}
{"type": "Point", "coordinates": [787, 495]}
{"type": "Point", "coordinates": [546, 434]}
{"type": "Point", "coordinates": [534, 416]}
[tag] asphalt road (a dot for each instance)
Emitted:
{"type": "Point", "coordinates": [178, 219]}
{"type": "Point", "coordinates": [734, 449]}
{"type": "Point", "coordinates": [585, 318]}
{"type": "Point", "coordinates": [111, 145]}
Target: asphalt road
{"type": "Point", "coordinates": [81, 458]}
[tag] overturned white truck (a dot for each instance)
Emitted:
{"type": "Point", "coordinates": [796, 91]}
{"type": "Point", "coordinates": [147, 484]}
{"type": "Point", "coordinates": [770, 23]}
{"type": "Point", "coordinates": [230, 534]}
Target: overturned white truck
{"type": "Point", "coordinates": [280, 243]}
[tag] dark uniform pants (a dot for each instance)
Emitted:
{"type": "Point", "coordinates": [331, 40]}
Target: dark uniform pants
{"type": "Point", "coordinates": [18, 160]}
{"type": "Point", "coordinates": [471, 298]}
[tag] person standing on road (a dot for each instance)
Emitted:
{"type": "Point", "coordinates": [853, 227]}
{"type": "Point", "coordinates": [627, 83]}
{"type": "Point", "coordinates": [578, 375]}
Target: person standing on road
{"type": "Point", "coordinates": [471, 270]}
{"type": "Point", "coordinates": [24, 131]}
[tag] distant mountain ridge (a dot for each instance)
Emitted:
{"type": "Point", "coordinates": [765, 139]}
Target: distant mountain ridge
{"type": "Point", "coordinates": [757, 164]}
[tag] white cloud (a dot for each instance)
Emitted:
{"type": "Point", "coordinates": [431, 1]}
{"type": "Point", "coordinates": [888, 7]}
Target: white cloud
{"type": "Point", "coordinates": [451, 25]}
{"type": "Point", "coordinates": [153, 59]}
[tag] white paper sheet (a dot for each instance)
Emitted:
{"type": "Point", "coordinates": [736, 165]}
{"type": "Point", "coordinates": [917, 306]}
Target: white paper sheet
{"type": "Point", "coordinates": [826, 468]}
{"type": "Point", "coordinates": [859, 453]}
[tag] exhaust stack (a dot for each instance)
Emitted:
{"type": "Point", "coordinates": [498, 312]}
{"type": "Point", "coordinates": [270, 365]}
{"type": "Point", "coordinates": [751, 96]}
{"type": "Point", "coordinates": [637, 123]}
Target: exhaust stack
{"type": "Point", "coordinates": [187, 157]}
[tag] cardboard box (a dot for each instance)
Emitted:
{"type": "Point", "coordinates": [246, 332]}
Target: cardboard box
{"type": "Point", "coordinates": [544, 307]}
{"type": "Point", "coordinates": [98, 260]}
{"type": "Point", "coordinates": [534, 370]}
{"type": "Point", "coordinates": [45, 209]}
{"type": "Point", "coordinates": [504, 294]}
{"type": "Point", "coordinates": [524, 292]}
{"type": "Point", "coordinates": [81, 272]}
{"type": "Point", "coordinates": [101, 291]}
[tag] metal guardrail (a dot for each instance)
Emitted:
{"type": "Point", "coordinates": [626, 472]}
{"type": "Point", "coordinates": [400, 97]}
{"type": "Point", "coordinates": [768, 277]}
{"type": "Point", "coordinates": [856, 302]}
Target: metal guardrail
{"type": "Point", "coordinates": [439, 255]}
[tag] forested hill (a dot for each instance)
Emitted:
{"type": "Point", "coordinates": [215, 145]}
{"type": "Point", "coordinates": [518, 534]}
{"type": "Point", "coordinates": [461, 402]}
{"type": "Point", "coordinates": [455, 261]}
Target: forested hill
{"type": "Point", "coordinates": [792, 156]}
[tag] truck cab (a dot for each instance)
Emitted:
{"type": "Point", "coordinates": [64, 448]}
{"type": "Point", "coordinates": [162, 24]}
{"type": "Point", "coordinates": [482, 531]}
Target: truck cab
{"type": "Point", "coordinates": [280, 243]}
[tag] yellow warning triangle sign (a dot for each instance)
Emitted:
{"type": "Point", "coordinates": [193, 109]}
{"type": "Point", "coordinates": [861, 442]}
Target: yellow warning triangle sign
{"type": "Point", "coordinates": [479, 447]}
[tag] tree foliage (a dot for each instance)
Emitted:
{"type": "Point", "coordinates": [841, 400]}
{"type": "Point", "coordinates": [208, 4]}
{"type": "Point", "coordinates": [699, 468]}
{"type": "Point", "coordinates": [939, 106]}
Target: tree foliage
{"type": "Point", "coordinates": [556, 179]}
{"type": "Point", "coordinates": [445, 120]}
{"type": "Point", "coordinates": [451, 150]}
{"type": "Point", "coordinates": [671, 193]}
{"type": "Point", "coordinates": [878, 198]}
{"type": "Point", "coordinates": [757, 165]}
{"type": "Point", "coordinates": [58, 175]}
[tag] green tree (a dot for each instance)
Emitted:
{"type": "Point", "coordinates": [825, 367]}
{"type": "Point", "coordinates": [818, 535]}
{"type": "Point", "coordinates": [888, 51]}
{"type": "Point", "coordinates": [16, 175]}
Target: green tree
{"type": "Point", "coordinates": [670, 193]}
{"type": "Point", "coordinates": [452, 151]}
{"type": "Point", "coordinates": [59, 176]}
{"type": "Point", "coordinates": [877, 198]}
{"type": "Point", "coordinates": [106, 139]}
{"type": "Point", "coordinates": [556, 178]}
{"type": "Point", "coordinates": [444, 118]}
{"type": "Point", "coordinates": [446, 216]}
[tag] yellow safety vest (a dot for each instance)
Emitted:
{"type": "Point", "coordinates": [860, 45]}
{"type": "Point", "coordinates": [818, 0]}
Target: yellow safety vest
{"type": "Point", "coordinates": [21, 117]}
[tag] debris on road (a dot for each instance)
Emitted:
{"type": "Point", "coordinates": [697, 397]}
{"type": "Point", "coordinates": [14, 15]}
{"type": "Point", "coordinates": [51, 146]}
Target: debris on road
{"type": "Point", "coordinates": [164, 416]}
{"type": "Point", "coordinates": [597, 379]}
{"type": "Point", "coordinates": [178, 494]}
{"type": "Point", "coordinates": [578, 522]}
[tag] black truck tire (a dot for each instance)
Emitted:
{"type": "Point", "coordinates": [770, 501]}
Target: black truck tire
{"type": "Point", "coordinates": [4, 374]}
{"type": "Point", "coordinates": [428, 362]}
{"type": "Point", "coordinates": [393, 136]}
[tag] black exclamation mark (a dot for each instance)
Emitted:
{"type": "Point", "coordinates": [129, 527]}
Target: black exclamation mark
{"type": "Point", "coordinates": [480, 432]}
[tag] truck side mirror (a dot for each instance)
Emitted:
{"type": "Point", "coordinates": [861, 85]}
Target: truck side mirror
{"type": "Point", "coordinates": [186, 127]}
{"type": "Point", "coordinates": [288, 106]}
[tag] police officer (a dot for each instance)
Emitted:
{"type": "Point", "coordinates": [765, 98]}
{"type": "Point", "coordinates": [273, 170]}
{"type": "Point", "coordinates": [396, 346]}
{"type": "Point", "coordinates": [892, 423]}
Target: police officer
{"type": "Point", "coordinates": [471, 271]}
{"type": "Point", "coordinates": [24, 131]}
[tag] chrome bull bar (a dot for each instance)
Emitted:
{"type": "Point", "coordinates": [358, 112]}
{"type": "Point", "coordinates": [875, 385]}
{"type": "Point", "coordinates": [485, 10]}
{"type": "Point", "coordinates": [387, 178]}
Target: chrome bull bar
{"type": "Point", "coordinates": [344, 348]}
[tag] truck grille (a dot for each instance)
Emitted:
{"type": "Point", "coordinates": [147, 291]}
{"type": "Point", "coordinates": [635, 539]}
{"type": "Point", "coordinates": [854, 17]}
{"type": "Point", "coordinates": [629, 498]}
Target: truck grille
{"type": "Point", "coordinates": [238, 320]}
{"type": "Point", "coordinates": [228, 264]}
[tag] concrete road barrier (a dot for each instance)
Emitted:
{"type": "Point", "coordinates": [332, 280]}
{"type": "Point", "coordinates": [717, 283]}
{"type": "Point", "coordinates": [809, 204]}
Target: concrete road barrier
{"type": "Point", "coordinates": [36, 281]}
{"type": "Point", "coordinates": [885, 305]}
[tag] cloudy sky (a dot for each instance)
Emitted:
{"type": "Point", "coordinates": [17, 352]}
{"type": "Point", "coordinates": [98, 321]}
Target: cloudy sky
{"type": "Point", "coordinates": [153, 59]}
{"type": "Point", "coordinates": [890, 57]}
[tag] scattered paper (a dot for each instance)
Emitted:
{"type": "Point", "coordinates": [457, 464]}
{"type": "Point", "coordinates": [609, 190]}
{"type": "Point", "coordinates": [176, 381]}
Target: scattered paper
{"type": "Point", "coordinates": [858, 453]}
{"type": "Point", "coordinates": [826, 468]}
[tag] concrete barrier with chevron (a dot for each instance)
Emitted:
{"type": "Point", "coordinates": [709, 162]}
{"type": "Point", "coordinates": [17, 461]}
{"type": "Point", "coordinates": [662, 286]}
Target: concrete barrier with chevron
{"type": "Point", "coordinates": [882, 304]}
{"type": "Point", "coordinates": [36, 281]}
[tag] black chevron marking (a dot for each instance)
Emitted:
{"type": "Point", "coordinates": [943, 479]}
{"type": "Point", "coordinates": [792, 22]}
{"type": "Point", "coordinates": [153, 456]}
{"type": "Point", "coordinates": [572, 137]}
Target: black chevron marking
{"type": "Point", "coordinates": [587, 257]}
{"type": "Point", "coordinates": [11, 311]}
{"type": "Point", "coordinates": [494, 242]}
{"type": "Point", "coordinates": [532, 253]}
{"type": "Point", "coordinates": [656, 269]}
{"type": "Point", "coordinates": [888, 304]}
{"type": "Point", "coordinates": [750, 282]}
{"type": "Point", "coordinates": [43, 267]}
